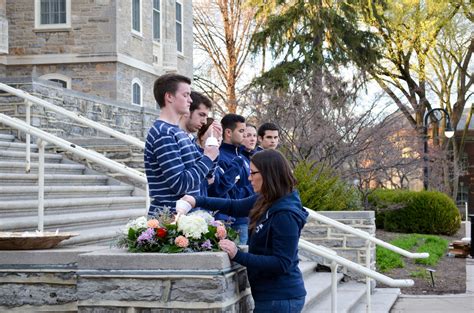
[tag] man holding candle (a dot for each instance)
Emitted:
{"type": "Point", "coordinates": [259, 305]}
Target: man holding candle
{"type": "Point", "coordinates": [173, 164]}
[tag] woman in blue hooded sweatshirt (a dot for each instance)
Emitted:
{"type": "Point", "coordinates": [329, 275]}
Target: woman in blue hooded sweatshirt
{"type": "Point", "coordinates": [276, 219]}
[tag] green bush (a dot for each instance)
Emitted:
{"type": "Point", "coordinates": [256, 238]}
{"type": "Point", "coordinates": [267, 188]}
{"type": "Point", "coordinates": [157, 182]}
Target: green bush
{"type": "Point", "coordinates": [424, 212]}
{"type": "Point", "coordinates": [322, 190]}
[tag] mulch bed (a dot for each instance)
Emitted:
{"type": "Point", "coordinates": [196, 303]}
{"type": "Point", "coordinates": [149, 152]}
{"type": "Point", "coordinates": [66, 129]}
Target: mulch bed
{"type": "Point", "coordinates": [449, 278]}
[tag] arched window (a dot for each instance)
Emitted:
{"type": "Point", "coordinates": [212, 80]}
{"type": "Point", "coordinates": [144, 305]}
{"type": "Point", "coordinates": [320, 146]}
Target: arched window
{"type": "Point", "coordinates": [136, 92]}
{"type": "Point", "coordinates": [58, 78]}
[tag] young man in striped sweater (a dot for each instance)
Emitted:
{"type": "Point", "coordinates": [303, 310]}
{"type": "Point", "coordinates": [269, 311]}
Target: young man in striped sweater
{"type": "Point", "coordinates": [173, 165]}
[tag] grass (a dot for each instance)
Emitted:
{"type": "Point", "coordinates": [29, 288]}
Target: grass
{"type": "Point", "coordinates": [434, 245]}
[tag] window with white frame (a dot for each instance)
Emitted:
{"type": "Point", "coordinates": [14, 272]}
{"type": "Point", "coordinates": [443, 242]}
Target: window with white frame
{"type": "Point", "coordinates": [137, 16]}
{"type": "Point", "coordinates": [179, 26]}
{"type": "Point", "coordinates": [156, 20]}
{"type": "Point", "coordinates": [136, 92]}
{"type": "Point", "coordinates": [64, 80]}
{"type": "Point", "coordinates": [52, 14]}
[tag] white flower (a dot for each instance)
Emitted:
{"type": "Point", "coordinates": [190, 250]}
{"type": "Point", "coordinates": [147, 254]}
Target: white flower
{"type": "Point", "coordinates": [136, 224]}
{"type": "Point", "coordinates": [204, 214]}
{"type": "Point", "coordinates": [192, 226]}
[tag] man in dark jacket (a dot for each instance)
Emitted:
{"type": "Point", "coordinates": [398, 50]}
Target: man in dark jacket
{"type": "Point", "coordinates": [233, 128]}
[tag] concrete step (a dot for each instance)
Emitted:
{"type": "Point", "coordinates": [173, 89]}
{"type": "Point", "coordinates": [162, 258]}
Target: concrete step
{"type": "Point", "coordinates": [15, 156]}
{"type": "Point", "coordinates": [73, 222]}
{"type": "Point", "coordinates": [25, 208]}
{"type": "Point", "coordinates": [318, 286]}
{"type": "Point", "coordinates": [382, 300]}
{"type": "Point", "coordinates": [307, 268]}
{"type": "Point", "coordinates": [19, 167]}
{"type": "Point", "coordinates": [6, 137]}
{"type": "Point", "coordinates": [52, 180]}
{"type": "Point", "coordinates": [348, 296]}
{"type": "Point", "coordinates": [16, 146]}
{"type": "Point", "coordinates": [57, 192]}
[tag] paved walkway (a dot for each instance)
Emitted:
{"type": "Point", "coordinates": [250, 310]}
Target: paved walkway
{"type": "Point", "coordinates": [458, 303]}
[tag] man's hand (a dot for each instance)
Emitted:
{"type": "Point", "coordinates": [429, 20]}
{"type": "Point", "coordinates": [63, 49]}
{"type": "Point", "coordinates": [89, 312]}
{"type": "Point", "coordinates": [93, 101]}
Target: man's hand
{"type": "Point", "coordinates": [216, 130]}
{"type": "Point", "coordinates": [211, 151]}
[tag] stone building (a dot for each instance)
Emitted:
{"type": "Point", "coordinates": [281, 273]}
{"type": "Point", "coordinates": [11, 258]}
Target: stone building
{"type": "Point", "coordinates": [113, 49]}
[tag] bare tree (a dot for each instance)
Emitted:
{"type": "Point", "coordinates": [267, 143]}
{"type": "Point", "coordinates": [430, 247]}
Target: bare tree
{"type": "Point", "coordinates": [362, 142]}
{"type": "Point", "coordinates": [223, 30]}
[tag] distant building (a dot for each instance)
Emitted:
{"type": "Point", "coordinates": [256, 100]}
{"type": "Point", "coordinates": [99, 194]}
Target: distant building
{"type": "Point", "coordinates": [108, 48]}
{"type": "Point", "coordinates": [466, 164]}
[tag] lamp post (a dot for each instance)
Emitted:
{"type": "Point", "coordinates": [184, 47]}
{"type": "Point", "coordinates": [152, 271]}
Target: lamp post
{"type": "Point", "coordinates": [448, 132]}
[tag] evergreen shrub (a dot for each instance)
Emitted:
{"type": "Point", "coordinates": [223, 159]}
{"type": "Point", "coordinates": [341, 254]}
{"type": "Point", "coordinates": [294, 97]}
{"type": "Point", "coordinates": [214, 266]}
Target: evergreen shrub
{"type": "Point", "coordinates": [423, 212]}
{"type": "Point", "coordinates": [322, 190]}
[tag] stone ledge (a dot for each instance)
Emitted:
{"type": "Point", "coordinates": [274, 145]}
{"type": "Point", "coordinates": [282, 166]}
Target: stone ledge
{"type": "Point", "coordinates": [43, 258]}
{"type": "Point", "coordinates": [120, 259]}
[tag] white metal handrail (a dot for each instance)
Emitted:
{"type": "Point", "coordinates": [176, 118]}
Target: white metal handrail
{"type": "Point", "coordinates": [29, 99]}
{"type": "Point", "coordinates": [338, 260]}
{"type": "Point", "coordinates": [74, 116]}
{"type": "Point", "coordinates": [45, 137]}
{"type": "Point", "coordinates": [369, 239]}
{"type": "Point", "coordinates": [362, 234]}
{"type": "Point", "coordinates": [310, 247]}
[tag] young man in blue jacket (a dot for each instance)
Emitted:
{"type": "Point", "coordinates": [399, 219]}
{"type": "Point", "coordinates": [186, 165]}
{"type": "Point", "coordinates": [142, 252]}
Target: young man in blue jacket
{"type": "Point", "coordinates": [233, 128]}
{"type": "Point", "coordinates": [173, 165]}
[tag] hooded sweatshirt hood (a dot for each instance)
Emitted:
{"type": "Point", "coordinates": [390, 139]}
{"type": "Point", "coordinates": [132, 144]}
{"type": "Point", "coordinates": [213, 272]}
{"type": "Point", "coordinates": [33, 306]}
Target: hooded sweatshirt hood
{"type": "Point", "coordinates": [292, 203]}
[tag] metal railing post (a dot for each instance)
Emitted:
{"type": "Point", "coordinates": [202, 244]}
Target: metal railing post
{"type": "Point", "coordinates": [28, 138]}
{"type": "Point", "coordinates": [367, 278]}
{"type": "Point", "coordinates": [333, 287]}
{"type": "Point", "coordinates": [147, 190]}
{"type": "Point", "coordinates": [41, 145]}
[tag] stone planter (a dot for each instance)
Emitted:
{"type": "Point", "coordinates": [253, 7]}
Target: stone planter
{"type": "Point", "coordinates": [114, 280]}
{"type": "Point", "coordinates": [93, 279]}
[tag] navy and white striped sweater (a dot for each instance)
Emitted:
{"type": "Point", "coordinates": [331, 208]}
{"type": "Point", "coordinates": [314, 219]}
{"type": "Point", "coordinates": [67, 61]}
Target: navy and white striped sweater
{"type": "Point", "coordinates": [173, 165]}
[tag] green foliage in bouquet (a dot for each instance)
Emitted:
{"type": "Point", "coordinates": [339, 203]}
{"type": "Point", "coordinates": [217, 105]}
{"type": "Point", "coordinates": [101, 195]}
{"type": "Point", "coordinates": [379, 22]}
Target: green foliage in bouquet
{"type": "Point", "coordinates": [195, 232]}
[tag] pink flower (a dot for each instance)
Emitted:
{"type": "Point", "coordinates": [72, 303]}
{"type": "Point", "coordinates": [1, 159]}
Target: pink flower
{"type": "Point", "coordinates": [221, 233]}
{"type": "Point", "coordinates": [181, 241]}
{"type": "Point", "coordinates": [153, 224]}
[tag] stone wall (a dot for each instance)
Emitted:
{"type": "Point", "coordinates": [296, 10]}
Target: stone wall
{"type": "Point", "coordinates": [125, 75]}
{"type": "Point", "coordinates": [99, 52]}
{"type": "Point", "coordinates": [345, 244]}
{"type": "Point", "coordinates": [95, 79]}
{"type": "Point", "coordinates": [92, 30]}
{"type": "Point", "coordinates": [126, 118]}
{"type": "Point", "coordinates": [99, 279]}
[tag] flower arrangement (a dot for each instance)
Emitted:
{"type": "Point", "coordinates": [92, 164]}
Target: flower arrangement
{"type": "Point", "coordinates": [166, 233]}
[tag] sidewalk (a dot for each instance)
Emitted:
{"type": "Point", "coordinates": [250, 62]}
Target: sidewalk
{"type": "Point", "coordinates": [458, 303]}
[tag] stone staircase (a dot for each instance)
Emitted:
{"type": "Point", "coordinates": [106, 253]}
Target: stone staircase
{"type": "Point", "coordinates": [350, 294]}
{"type": "Point", "coordinates": [81, 200]}
{"type": "Point", "coordinates": [77, 199]}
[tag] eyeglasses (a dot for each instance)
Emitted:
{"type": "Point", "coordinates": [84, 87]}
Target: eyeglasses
{"type": "Point", "coordinates": [253, 173]}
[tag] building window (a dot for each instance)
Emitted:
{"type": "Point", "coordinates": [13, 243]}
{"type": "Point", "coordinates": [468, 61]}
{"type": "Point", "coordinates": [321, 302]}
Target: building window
{"type": "Point", "coordinates": [157, 20]}
{"type": "Point", "coordinates": [136, 92]}
{"type": "Point", "coordinates": [58, 78]}
{"type": "Point", "coordinates": [52, 14]}
{"type": "Point", "coordinates": [179, 26]}
{"type": "Point", "coordinates": [136, 16]}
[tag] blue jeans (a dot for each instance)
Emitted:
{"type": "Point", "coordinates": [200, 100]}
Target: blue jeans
{"type": "Point", "coordinates": [243, 230]}
{"type": "Point", "coordinates": [280, 306]}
